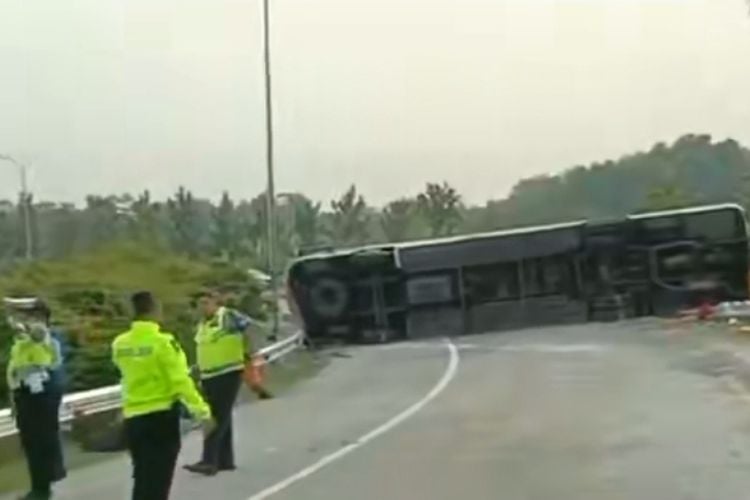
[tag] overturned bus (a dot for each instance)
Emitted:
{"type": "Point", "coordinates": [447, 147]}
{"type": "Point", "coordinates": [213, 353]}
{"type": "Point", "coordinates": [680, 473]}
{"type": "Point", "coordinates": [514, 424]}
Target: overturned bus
{"type": "Point", "coordinates": [645, 264]}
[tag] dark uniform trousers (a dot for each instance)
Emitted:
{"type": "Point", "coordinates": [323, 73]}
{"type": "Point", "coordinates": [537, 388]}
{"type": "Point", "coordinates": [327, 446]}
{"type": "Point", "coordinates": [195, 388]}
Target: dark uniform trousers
{"type": "Point", "coordinates": [154, 444]}
{"type": "Point", "coordinates": [37, 419]}
{"type": "Point", "coordinates": [59, 471]}
{"type": "Point", "coordinates": [221, 394]}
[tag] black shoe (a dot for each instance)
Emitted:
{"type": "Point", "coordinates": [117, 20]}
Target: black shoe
{"type": "Point", "coordinates": [227, 468]}
{"type": "Point", "coordinates": [35, 495]}
{"type": "Point", "coordinates": [59, 475]}
{"type": "Point", "coordinates": [201, 468]}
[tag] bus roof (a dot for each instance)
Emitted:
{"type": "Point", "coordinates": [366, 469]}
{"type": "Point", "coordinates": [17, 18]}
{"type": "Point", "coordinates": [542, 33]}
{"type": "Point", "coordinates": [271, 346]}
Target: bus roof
{"type": "Point", "coordinates": [492, 234]}
{"type": "Point", "coordinates": [344, 252]}
{"type": "Point", "coordinates": [508, 232]}
{"type": "Point", "coordinates": [688, 210]}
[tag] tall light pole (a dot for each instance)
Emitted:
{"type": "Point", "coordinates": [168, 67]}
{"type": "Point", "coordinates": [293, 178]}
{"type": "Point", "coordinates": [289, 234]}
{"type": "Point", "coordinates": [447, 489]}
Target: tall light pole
{"type": "Point", "coordinates": [271, 189]}
{"type": "Point", "coordinates": [25, 208]}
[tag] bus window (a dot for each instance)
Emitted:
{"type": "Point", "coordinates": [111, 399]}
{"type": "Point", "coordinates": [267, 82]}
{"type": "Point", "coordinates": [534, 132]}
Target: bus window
{"type": "Point", "coordinates": [661, 229]}
{"type": "Point", "coordinates": [543, 276]}
{"type": "Point", "coordinates": [712, 226]}
{"type": "Point", "coordinates": [491, 283]}
{"type": "Point", "coordinates": [430, 289]}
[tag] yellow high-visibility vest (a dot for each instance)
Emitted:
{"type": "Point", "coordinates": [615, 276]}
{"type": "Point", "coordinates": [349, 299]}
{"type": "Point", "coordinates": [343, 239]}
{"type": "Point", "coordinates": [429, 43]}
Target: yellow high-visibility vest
{"type": "Point", "coordinates": [218, 350]}
{"type": "Point", "coordinates": [154, 372]}
{"type": "Point", "coordinates": [27, 356]}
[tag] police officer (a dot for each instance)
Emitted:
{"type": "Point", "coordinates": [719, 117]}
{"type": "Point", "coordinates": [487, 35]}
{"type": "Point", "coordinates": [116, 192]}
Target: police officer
{"type": "Point", "coordinates": [222, 346]}
{"type": "Point", "coordinates": [155, 381]}
{"type": "Point", "coordinates": [42, 314]}
{"type": "Point", "coordinates": [35, 403]}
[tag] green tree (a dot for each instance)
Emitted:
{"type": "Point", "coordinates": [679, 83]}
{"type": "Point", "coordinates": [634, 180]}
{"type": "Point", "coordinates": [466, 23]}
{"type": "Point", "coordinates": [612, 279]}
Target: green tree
{"type": "Point", "coordinates": [667, 197]}
{"type": "Point", "coordinates": [57, 228]}
{"type": "Point", "coordinates": [225, 228]}
{"type": "Point", "coordinates": [253, 228]}
{"type": "Point", "coordinates": [307, 221]}
{"type": "Point", "coordinates": [349, 218]}
{"type": "Point", "coordinates": [440, 204]}
{"type": "Point", "coordinates": [188, 232]}
{"type": "Point", "coordinates": [399, 219]}
{"type": "Point", "coordinates": [9, 231]}
{"type": "Point", "coordinates": [148, 222]}
{"type": "Point", "coordinates": [104, 220]}
{"type": "Point", "coordinates": [479, 219]}
{"type": "Point", "coordinates": [703, 170]}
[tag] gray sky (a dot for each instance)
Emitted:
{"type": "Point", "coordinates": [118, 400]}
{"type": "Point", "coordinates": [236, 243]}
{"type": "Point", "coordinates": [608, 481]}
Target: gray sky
{"type": "Point", "coordinates": [122, 95]}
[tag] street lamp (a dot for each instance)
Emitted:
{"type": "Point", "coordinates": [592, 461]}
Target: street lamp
{"type": "Point", "coordinates": [26, 209]}
{"type": "Point", "coordinates": [271, 191]}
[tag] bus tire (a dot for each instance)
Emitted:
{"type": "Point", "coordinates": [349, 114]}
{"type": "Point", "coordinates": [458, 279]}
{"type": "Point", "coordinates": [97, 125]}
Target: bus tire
{"type": "Point", "coordinates": [329, 297]}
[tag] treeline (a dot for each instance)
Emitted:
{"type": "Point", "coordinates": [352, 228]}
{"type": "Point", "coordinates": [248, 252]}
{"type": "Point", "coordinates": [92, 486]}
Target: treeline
{"type": "Point", "coordinates": [694, 169]}
{"type": "Point", "coordinates": [230, 229]}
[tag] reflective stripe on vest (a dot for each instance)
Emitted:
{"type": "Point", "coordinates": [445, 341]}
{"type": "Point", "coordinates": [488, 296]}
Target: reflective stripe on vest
{"type": "Point", "coordinates": [219, 351]}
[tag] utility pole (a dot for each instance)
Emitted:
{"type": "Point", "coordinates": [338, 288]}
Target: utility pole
{"type": "Point", "coordinates": [24, 204]}
{"type": "Point", "coordinates": [271, 189]}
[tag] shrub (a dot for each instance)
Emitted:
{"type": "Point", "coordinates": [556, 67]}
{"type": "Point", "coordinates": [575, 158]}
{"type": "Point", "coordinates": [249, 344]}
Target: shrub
{"type": "Point", "coordinates": [89, 296]}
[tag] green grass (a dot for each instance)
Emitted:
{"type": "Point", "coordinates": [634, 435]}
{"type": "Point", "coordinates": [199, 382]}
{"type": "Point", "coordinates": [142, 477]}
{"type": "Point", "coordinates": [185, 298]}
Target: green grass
{"type": "Point", "coordinates": [280, 378]}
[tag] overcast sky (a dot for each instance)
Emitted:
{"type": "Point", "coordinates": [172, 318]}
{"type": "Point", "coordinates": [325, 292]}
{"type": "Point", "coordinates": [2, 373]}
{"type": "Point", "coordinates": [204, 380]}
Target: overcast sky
{"type": "Point", "coordinates": [109, 96]}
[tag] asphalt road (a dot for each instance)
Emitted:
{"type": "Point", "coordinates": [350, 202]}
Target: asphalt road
{"type": "Point", "coordinates": [595, 412]}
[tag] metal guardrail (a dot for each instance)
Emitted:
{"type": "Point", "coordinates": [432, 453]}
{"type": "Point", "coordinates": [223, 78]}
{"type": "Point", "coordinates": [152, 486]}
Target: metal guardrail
{"type": "Point", "coordinates": [109, 398]}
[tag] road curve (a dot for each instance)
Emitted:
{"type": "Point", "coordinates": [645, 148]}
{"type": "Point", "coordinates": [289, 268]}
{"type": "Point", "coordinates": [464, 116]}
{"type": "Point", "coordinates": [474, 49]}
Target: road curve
{"type": "Point", "coordinates": [594, 412]}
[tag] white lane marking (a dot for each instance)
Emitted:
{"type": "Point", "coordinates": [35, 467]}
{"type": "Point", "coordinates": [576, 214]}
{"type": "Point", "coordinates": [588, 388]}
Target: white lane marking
{"type": "Point", "coordinates": [556, 348]}
{"type": "Point", "coordinates": [538, 348]}
{"type": "Point", "coordinates": [448, 375]}
{"type": "Point", "coordinates": [423, 345]}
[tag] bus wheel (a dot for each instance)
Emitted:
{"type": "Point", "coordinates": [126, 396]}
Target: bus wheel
{"type": "Point", "coordinates": [329, 297]}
